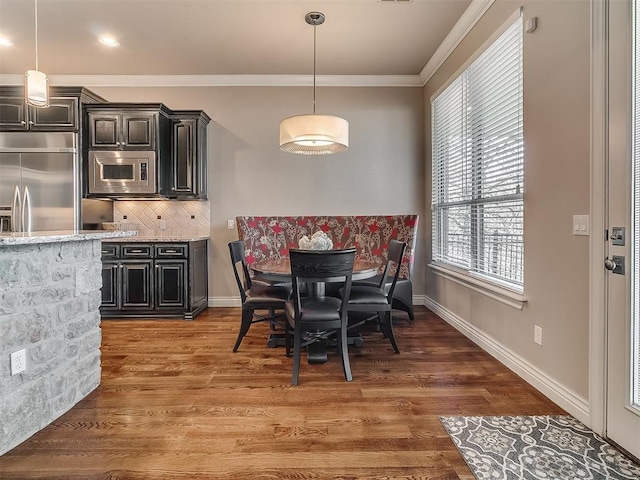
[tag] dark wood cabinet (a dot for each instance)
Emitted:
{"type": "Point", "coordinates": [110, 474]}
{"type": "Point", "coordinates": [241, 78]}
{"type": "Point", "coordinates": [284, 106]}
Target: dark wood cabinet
{"type": "Point", "coordinates": [110, 284]}
{"type": "Point", "coordinates": [62, 114]}
{"type": "Point", "coordinates": [154, 279]}
{"type": "Point", "coordinates": [127, 277]}
{"type": "Point", "coordinates": [178, 137]}
{"type": "Point", "coordinates": [136, 279]}
{"type": "Point", "coordinates": [187, 170]}
{"type": "Point", "coordinates": [171, 282]}
{"type": "Point", "coordinates": [128, 130]}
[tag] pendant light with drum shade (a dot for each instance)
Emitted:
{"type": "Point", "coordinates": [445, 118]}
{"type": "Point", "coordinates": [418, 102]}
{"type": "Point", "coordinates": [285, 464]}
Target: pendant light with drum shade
{"type": "Point", "coordinates": [36, 83]}
{"type": "Point", "coordinates": [314, 134]}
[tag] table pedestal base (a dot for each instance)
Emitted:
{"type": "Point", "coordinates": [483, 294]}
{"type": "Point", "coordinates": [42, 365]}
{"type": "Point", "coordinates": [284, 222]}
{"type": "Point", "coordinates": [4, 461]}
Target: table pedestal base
{"type": "Point", "coordinates": [317, 351]}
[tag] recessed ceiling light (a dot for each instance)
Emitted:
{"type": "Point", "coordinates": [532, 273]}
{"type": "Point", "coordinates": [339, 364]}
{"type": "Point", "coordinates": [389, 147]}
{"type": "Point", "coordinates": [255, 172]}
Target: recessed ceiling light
{"type": "Point", "coordinates": [109, 41]}
{"type": "Point", "coordinates": [5, 42]}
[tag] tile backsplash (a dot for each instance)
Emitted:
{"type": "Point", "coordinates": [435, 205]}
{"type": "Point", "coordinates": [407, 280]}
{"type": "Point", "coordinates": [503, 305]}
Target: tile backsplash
{"type": "Point", "coordinates": [177, 218]}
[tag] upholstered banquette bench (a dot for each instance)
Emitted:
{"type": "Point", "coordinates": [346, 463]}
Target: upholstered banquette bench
{"type": "Point", "coordinates": [270, 238]}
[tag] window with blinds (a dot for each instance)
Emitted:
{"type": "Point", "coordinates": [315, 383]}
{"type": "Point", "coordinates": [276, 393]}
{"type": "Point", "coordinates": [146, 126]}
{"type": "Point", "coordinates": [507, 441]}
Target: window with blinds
{"type": "Point", "coordinates": [478, 167]}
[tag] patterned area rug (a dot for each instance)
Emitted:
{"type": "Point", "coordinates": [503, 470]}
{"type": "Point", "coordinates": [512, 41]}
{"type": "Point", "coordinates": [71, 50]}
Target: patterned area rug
{"type": "Point", "coordinates": [536, 448]}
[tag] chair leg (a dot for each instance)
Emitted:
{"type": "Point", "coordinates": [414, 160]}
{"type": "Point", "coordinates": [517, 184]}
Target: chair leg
{"type": "Point", "coordinates": [344, 349]}
{"type": "Point", "coordinates": [287, 338]}
{"type": "Point", "coordinates": [247, 318]}
{"type": "Point", "coordinates": [297, 346]}
{"type": "Point", "coordinates": [386, 323]}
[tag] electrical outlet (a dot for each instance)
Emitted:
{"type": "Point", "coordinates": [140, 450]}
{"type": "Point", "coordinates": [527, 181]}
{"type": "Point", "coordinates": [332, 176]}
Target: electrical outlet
{"type": "Point", "coordinates": [18, 361]}
{"type": "Point", "coordinates": [537, 334]}
{"type": "Point", "coordinates": [163, 224]}
{"type": "Point", "coordinates": [230, 224]}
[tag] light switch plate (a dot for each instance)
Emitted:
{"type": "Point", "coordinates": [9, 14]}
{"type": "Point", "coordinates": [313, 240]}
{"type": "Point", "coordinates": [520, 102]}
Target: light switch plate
{"type": "Point", "coordinates": [230, 224]}
{"type": "Point", "coordinates": [581, 225]}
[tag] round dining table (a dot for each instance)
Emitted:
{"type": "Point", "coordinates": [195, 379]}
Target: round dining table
{"type": "Point", "coordinates": [279, 270]}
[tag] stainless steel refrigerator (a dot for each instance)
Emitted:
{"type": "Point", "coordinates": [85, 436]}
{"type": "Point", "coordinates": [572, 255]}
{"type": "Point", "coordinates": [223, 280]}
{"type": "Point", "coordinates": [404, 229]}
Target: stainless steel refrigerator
{"type": "Point", "coordinates": [39, 181]}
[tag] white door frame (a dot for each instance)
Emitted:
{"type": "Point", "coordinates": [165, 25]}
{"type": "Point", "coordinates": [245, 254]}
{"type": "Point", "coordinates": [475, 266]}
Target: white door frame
{"type": "Point", "coordinates": [597, 212]}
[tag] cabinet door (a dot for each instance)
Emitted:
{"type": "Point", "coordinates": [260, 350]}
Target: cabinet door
{"type": "Point", "coordinates": [109, 284]}
{"type": "Point", "coordinates": [104, 130]}
{"type": "Point", "coordinates": [201, 162]}
{"type": "Point", "coordinates": [61, 114]}
{"type": "Point", "coordinates": [198, 276]}
{"type": "Point", "coordinates": [13, 114]}
{"type": "Point", "coordinates": [137, 284]}
{"type": "Point", "coordinates": [171, 279]}
{"type": "Point", "coordinates": [138, 130]}
{"type": "Point", "coordinates": [183, 168]}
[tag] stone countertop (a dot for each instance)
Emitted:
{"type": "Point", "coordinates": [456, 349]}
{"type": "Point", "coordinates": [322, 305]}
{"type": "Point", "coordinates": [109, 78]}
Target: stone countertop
{"type": "Point", "coordinates": [158, 238]}
{"type": "Point", "coordinates": [16, 238]}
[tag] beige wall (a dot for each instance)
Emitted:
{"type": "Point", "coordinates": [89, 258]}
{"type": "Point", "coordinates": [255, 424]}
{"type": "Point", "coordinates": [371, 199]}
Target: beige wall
{"type": "Point", "coordinates": [381, 173]}
{"type": "Point", "coordinates": [556, 132]}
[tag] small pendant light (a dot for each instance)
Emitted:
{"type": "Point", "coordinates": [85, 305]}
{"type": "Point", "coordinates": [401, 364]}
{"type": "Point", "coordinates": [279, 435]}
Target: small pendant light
{"type": "Point", "coordinates": [314, 134]}
{"type": "Point", "coordinates": [36, 83]}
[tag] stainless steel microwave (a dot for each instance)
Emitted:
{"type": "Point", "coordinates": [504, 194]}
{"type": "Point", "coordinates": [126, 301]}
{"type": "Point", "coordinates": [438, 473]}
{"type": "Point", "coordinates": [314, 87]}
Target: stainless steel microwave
{"type": "Point", "coordinates": [122, 172]}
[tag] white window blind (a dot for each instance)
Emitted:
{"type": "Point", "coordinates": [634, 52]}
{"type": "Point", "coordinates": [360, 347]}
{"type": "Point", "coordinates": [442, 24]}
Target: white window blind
{"type": "Point", "coordinates": [478, 167]}
{"type": "Point", "coordinates": [635, 241]}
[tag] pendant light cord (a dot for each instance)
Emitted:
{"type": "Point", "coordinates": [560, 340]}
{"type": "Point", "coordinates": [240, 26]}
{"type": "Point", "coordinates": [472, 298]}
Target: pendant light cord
{"type": "Point", "coordinates": [36, 14]}
{"type": "Point", "coordinates": [314, 69]}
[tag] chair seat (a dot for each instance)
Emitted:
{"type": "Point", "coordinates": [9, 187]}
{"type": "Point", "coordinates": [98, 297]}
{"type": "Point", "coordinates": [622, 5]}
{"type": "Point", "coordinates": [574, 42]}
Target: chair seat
{"type": "Point", "coordinates": [402, 296]}
{"type": "Point", "coordinates": [267, 294]}
{"type": "Point", "coordinates": [320, 310]}
{"type": "Point", "coordinates": [367, 295]}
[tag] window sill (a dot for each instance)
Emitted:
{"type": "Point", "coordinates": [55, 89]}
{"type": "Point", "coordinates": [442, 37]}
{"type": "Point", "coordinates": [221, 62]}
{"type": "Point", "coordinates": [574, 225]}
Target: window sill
{"type": "Point", "coordinates": [503, 295]}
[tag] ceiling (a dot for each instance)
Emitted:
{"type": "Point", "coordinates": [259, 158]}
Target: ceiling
{"type": "Point", "coordinates": [225, 37]}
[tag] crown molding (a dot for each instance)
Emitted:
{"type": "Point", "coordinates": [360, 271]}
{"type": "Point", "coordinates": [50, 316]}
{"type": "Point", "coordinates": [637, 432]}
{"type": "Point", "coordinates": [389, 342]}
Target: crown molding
{"type": "Point", "coordinates": [224, 80]}
{"type": "Point", "coordinates": [469, 18]}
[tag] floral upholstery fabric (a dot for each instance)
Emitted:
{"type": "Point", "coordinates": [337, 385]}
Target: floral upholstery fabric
{"type": "Point", "coordinates": [270, 238]}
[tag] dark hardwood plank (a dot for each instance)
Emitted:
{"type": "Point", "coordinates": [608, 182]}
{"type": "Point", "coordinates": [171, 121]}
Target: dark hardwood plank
{"type": "Point", "coordinates": [175, 403]}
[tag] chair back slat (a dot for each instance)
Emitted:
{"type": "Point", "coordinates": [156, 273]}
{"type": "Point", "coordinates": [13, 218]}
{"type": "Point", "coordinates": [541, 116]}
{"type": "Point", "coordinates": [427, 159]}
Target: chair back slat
{"type": "Point", "coordinates": [392, 267]}
{"type": "Point", "coordinates": [236, 251]}
{"type": "Point", "coordinates": [322, 265]}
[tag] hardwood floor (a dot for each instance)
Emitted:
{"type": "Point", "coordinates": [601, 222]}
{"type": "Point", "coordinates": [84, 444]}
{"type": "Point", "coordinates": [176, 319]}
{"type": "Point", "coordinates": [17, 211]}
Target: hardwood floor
{"type": "Point", "coordinates": [175, 403]}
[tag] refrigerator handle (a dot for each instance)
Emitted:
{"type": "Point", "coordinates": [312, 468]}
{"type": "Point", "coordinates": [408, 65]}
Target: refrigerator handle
{"type": "Point", "coordinates": [16, 211]}
{"type": "Point", "coordinates": [26, 210]}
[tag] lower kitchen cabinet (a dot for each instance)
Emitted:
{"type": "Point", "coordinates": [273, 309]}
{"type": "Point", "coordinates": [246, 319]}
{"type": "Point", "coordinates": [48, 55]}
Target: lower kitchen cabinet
{"type": "Point", "coordinates": [154, 279]}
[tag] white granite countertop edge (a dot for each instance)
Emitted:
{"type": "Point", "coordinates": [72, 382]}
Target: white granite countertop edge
{"type": "Point", "coordinates": [158, 239]}
{"type": "Point", "coordinates": [15, 238]}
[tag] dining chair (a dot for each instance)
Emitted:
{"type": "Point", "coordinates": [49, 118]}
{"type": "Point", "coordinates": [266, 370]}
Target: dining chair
{"type": "Point", "coordinates": [317, 317]}
{"type": "Point", "coordinates": [379, 298]}
{"type": "Point", "coordinates": [255, 296]}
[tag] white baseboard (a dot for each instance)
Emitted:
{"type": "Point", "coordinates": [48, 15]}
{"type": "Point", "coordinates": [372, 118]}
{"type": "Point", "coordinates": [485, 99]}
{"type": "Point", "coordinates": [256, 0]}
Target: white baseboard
{"type": "Point", "coordinates": [215, 302]}
{"type": "Point", "coordinates": [565, 398]}
{"type": "Point", "coordinates": [419, 300]}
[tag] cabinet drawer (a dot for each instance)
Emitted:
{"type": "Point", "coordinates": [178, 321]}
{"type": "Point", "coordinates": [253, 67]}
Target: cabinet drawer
{"type": "Point", "coordinates": [178, 250]}
{"type": "Point", "coordinates": [136, 251]}
{"type": "Point", "coordinates": [110, 250]}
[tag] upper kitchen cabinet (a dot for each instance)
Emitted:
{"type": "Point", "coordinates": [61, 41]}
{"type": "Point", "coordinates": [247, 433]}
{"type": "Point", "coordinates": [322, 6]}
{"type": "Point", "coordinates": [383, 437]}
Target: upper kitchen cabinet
{"type": "Point", "coordinates": [188, 168]}
{"type": "Point", "coordinates": [118, 126]}
{"type": "Point", "coordinates": [62, 114]}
